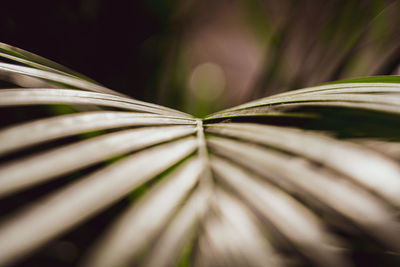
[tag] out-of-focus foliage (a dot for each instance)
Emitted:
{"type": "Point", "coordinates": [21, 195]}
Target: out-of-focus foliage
{"type": "Point", "coordinates": [266, 47]}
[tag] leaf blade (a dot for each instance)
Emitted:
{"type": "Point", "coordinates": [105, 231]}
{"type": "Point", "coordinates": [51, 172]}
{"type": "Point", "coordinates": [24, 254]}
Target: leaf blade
{"type": "Point", "coordinates": [36, 132]}
{"type": "Point", "coordinates": [35, 169]}
{"type": "Point", "coordinates": [62, 210]}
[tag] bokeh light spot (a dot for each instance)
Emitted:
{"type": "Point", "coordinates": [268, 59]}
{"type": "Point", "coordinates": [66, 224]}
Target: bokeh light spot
{"type": "Point", "coordinates": [207, 81]}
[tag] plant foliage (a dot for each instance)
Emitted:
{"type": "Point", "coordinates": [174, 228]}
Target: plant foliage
{"type": "Point", "coordinates": [307, 177]}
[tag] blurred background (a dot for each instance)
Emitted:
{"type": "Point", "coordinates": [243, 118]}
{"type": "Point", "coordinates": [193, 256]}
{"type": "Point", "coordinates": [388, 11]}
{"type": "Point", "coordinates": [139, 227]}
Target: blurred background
{"type": "Point", "coordinates": [202, 56]}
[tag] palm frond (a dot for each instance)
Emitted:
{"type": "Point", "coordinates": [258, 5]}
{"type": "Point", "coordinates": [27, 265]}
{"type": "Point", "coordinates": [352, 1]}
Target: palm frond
{"type": "Point", "coordinates": [304, 177]}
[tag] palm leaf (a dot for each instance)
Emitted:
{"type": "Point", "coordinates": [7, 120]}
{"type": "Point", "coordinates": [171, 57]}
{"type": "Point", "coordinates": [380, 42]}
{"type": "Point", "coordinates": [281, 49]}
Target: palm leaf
{"type": "Point", "coordinates": [304, 177]}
